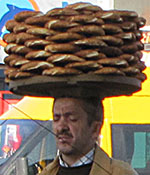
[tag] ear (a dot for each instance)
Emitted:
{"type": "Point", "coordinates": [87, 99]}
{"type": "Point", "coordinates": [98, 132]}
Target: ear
{"type": "Point", "coordinates": [96, 127]}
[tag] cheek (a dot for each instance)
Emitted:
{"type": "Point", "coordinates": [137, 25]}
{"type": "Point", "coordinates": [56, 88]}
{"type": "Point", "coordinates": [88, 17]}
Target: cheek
{"type": "Point", "coordinates": [54, 127]}
{"type": "Point", "coordinates": [75, 130]}
{"type": "Point", "coordinates": [86, 132]}
{"type": "Point", "coordinates": [79, 131]}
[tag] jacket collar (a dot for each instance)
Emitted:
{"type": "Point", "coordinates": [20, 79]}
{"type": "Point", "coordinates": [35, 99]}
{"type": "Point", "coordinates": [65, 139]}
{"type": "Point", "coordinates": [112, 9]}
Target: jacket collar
{"type": "Point", "coordinates": [101, 164]}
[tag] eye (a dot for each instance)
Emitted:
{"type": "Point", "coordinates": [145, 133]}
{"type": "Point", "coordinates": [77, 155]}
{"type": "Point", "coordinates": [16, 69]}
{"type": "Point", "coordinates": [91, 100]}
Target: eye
{"type": "Point", "coordinates": [56, 117]}
{"type": "Point", "coordinates": [73, 118]}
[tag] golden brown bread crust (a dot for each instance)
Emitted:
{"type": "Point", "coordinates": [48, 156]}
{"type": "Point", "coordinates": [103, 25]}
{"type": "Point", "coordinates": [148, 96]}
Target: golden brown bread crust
{"type": "Point", "coordinates": [83, 19]}
{"type": "Point", "coordinates": [84, 6]}
{"type": "Point", "coordinates": [116, 62]}
{"type": "Point", "coordinates": [111, 29]}
{"type": "Point", "coordinates": [21, 27]}
{"type": "Point", "coordinates": [85, 65]}
{"type": "Point", "coordinates": [88, 30]}
{"type": "Point", "coordinates": [111, 51]}
{"type": "Point", "coordinates": [60, 71]}
{"type": "Point", "coordinates": [130, 70]}
{"type": "Point", "coordinates": [18, 75]}
{"type": "Point", "coordinates": [23, 37]}
{"type": "Point", "coordinates": [139, 44]}
{"type": "Point", "coordinates": [60, 24]}
{"type": "Point", "coordinates": [18, 62]}
{"type": "Point", "coordinates": [36, 66]}
{"type": "Point", "coordinates": [41, 31]}
{"type": "Point", "coordinates": [9, 70]}
{"type": "Point", "coordinates": [129, 48]}
{"type": "Point", "coordinates": [90, 54]}
{"type": "Point", "coordinates": [11, 57]}
{"type": "Point", "coordinates": [138, 54]}
{"type": "Point", "coordinates": [140, 65]}
{"type": "Point", "coordinates": [128, 26]}
{"type": "Point", "coordinates": [126, 14]}
{"type": "Point", "coordinates": [21, 16]}
{"type": "Point", "coordinates": [141, 76]}
{"type": "Point", "coordinates": [20, 49]}
{"type": "Point", "coordinates": [10, 24]}
{"type": "Point", "coordinates": [109, 71]}
{"type": "Point", "coordinates": [10, 37]}
{"type": "Point", "coordinates": [126, 36]}
{"type": "Point", "coordinates": [33, 43]}
{"type": "Point", "coordinates": [64, 58]}
{"type": "Point", "coordinates": [62, 48]}
{"type": "Point", "coordinates": [140, 21]}
{"type": "Point", "coordinates": [111, 40]}
{"type": "Point", "coordinates": [65, 37]}
{"type": "Point", "coordinates": [110, 16]}
{"type": "Point", "coordinates": [138, 34]}
{"type": "Point", "coordinates": [129, 58]}
{"type": "Point", "coordinates": [61, 12]}
{"type": "Point", "coordinates": [92, 41]}
{"type": "Point", "coordinates": [37, 54]}
{"type": "Point", "coordinates": [8, 47]}
{"type": "Point", "coordinates": [37, 20]}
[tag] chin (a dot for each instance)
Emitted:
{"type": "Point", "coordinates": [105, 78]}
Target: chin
{"type": "Point", "coordinates": [65, 150]}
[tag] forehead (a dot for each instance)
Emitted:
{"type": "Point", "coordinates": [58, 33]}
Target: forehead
{"type": "Point", "coordinates": [67, 104]}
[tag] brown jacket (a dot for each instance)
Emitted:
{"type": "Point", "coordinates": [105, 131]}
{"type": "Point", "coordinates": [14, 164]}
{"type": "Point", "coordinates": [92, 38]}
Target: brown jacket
{"type": "Point", "coordinates": [103, 166]}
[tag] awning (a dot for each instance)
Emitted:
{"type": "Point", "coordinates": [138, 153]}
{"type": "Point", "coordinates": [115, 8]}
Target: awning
{"type": "Point", "coordinates": [35, 108]}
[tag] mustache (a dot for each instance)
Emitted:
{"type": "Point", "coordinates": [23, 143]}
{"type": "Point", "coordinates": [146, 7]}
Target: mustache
{"type": "Point", "coordinates": [64, 132]}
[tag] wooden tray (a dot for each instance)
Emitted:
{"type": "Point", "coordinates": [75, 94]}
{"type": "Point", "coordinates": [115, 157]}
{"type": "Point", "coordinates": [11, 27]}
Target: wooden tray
{"type": "Point", "coordinates": [85, 85]}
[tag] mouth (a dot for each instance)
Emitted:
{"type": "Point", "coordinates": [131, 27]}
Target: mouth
{"type": "Point", "coordinates": [64, 138]}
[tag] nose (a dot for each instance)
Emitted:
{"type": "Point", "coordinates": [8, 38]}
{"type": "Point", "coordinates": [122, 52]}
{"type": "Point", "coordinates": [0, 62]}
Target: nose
{"type": "Point", "coordinates": [62, 124]}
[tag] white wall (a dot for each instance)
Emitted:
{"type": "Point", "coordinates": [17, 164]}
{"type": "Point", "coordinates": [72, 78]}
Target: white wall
{"type": "Point", "coordinates": [142, 7]}
{"type": "Point", "coordinates": [46, 5]}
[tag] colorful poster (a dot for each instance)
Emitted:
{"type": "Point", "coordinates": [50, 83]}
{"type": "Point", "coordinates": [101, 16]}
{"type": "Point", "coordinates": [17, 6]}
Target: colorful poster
{"type": "Point", "coordinates": [8, 8]}
{"type": "Point", "coordinates": [12, 141]}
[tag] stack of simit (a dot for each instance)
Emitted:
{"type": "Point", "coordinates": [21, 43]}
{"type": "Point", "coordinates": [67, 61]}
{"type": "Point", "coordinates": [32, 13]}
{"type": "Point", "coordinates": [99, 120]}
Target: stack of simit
{"type": "Point", "coordinates": [79, 39]}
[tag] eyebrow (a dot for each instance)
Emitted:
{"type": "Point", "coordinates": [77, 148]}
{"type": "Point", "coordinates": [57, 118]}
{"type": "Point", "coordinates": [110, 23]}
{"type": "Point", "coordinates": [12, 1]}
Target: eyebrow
{"type": "Point", "coordinates": [64, 114]}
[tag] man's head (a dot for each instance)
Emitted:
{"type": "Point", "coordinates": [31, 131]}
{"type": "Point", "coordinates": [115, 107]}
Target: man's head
{"type": "Point", "coordinates": [77, 123]}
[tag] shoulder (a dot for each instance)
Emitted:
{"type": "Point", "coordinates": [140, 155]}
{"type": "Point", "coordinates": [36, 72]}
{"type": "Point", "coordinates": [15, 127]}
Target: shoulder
{"type": "Point", "coordinates": [51, 168]}
{"type": "Point", "coordinates": [113, 166]}
{"type": "Point", "coordinates": [122, 168]}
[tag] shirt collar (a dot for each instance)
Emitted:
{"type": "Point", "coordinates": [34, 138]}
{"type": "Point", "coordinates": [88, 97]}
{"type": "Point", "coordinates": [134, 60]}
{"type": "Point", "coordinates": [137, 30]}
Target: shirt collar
{"type": "Point", "coordinates": [86, 159]}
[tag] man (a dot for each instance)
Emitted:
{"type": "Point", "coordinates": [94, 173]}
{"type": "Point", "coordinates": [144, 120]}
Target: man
{"type": "Point", "coordinates": [77, 123]}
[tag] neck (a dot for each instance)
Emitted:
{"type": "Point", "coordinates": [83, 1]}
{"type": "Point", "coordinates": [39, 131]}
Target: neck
{"type": "Point", "coordinates": [72, 158]}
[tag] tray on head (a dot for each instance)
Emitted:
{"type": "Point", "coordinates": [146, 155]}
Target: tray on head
{"type": "Point", "coordinates": [76, 86]}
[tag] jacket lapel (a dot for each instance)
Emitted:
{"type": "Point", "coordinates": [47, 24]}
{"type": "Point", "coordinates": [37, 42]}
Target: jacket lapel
{"type": "Point", "coordinates": [101, 164]}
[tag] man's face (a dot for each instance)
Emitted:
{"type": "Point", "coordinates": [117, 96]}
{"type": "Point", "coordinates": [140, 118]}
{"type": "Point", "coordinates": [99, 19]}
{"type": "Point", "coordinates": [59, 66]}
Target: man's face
{"type": "Point", "coordinates": [74, 135]}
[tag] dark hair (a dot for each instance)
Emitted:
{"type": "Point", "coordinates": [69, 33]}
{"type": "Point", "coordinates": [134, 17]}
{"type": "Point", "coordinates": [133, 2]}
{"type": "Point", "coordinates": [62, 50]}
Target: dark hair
{"type": "Point", "coordinates": [93, 107]}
